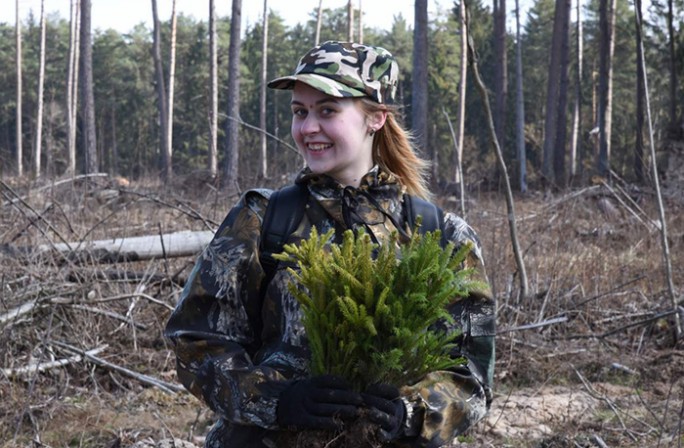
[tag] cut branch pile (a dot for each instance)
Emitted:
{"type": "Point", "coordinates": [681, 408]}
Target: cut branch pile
{"type": "Point", "coordinates": [84, 338]}
{"type": "Point", "coordinates": [85, 289]}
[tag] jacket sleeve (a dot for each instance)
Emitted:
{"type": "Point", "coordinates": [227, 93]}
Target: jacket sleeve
{"type": "Point", "coordinates": [446, 403]}
{"type": "Point", "coordinates": [215, 327]}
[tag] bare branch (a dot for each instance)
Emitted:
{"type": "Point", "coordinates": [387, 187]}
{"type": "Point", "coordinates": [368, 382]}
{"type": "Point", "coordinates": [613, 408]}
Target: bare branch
{"type": "Point", "coordinates": [42, 367]}
{"type": "Point", "coordinates": [110, 314]}
{"type": "Point", "coordinates": [170, 388]}
{"type": "Point", "coordinates": [594, 394]}
{"type": "Point", "coordinates": [472, 58]}
{"type": "Point", "coordinates": [557, 320]}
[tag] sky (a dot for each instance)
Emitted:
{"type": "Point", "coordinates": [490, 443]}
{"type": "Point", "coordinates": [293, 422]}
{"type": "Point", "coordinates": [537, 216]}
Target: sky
{"type": "Point", "coordinates": [122, 15]}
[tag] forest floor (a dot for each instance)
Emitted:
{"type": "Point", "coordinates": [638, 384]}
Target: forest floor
{"type": "Point", "coordinates": [587, 359]}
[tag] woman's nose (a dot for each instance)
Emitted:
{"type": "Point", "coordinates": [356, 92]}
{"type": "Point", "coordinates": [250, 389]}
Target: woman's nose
{"type": "Point", "coordinates": [310, 125]}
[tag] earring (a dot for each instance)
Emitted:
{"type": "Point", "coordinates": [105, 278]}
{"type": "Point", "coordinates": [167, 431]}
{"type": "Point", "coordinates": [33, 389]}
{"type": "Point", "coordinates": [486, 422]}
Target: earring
{"type": "Point", "coordinates": [371, 132]}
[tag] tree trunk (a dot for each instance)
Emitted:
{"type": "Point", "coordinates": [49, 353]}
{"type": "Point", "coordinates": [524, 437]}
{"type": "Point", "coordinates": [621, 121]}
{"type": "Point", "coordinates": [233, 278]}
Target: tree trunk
{"type": "Point", "coordinates": [460, 126]}
{"type": "Point", "coordinates": [262, 93]}
{"type": "Point", "coordinates": [37, 153]}
{"type": "Point", "coordinates": [419, 98]}
{"type": "Point", "coordinates": [609, 93]}
{"type": "Point", "coordinates": [87, 96]}
{"type": "Point", "coordinates": [553, 85]}
{"type": "Point", "coordinates": [594, 110]}
{"type": "Point", "coordinates": [459, 167]}
{"type": "Point", "coordinates": [72, 86]}
{"type": "Point", "coordinates": [162, 107]}
{"type": "Point", "coordinates": [20, 131]}
{"type": "Point", "coordinates": [77, 79]}
{"type": "Point", "coordinates": [561, 122]}
{"type": "Point", "coordinates": [319, 19]}
{"type": "Point", "coordinates": [640, 95]}
{"type": "Point", "coordinates": [168, 156]}
{"type": "Point", "coordinates": [49, 147]}
{"type": "Point", "coordinates": [350, 21]}
{"type": "Point", "coordinates": [213, 111]}
{"type": "Point", "coordinates": [520, 106]}
{"type": "Point", "coordinates": [435, 156]}
{"type": "Point", "coordinates": [673, 67]}
{"type": "Point", "coordinates": [575, 145]}
{"type": "Point", "coordinates": [607, 32]}
{"type": "Point", "coordinates": [114, 165]}
{"type": "Point", "coordinates": [674, 300]}
{"type": "Point", "coordinates": [233, 123]}
{"type": "Point", "coordinates": [360, 22]}
{"type": "Point", "coordinates": [501, 71]}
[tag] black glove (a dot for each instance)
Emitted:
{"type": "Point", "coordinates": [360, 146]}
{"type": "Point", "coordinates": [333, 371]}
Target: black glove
{"type": "Point", "coordinates": [386, 409]}
{"type": "Point", "coordinates": [318, 403]}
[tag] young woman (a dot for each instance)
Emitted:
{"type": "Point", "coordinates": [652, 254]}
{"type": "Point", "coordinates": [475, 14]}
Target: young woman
{"type": "Point", "coordinates": [240, 343]}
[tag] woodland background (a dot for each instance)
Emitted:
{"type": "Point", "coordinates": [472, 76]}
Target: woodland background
{"type": "Point", "coordinates": [574, 85]}
{"type": "Point", "coordinates": [147, 144]}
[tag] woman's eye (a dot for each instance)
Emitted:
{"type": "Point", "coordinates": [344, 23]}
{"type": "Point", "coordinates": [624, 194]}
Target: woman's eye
{"type": "Point", "coordinates": [299, 112]}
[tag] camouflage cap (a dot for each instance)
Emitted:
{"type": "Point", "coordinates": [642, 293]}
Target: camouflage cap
{"type": "Point", "coordinates": [346, 69]}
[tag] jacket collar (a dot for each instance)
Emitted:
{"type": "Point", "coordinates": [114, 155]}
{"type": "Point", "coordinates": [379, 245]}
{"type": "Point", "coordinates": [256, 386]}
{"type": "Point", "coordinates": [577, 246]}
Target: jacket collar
{"type": "Point", "coordinates": [327, 187]}
{"type": "Point", "coordinates": [378, 195]}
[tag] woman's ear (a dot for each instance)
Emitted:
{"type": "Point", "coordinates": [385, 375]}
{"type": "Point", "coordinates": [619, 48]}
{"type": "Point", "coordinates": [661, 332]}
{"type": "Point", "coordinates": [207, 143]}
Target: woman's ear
{"type": "Point", "coordinates": [377, 119]}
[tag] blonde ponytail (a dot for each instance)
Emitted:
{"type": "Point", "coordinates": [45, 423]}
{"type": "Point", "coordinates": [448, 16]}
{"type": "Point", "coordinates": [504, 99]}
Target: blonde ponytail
{"type": "Point", "coordinates": [395, 153]}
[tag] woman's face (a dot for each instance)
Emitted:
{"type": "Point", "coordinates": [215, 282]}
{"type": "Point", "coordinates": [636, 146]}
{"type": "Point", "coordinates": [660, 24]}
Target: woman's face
{"type": "Point", "coordinates": [333, 134]}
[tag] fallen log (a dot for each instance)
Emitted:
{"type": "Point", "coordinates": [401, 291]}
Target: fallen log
{"type": "Point", "coordinates": [169, 245]}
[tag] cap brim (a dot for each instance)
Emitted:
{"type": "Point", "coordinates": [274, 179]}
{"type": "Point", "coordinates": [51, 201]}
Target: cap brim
{"type": "Point", "coordinates": [318, 82]}
{"type": "Point", "coordinates": [282, 83]}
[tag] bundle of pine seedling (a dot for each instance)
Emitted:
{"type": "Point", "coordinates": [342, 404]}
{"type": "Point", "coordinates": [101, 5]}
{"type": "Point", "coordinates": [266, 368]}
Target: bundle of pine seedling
{"type": "Point", "coordinates": [370, 312]}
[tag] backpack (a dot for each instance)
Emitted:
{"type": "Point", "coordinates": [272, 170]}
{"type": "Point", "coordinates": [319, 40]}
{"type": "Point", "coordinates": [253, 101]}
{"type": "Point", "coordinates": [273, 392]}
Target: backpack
{"type": "Point", "coordinates": [289, 204]}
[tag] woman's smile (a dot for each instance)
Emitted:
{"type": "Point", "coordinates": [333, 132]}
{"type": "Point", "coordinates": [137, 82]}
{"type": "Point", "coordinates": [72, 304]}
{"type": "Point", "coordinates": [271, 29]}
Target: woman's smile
{"type": "Point", "coordinates": [318, 147]}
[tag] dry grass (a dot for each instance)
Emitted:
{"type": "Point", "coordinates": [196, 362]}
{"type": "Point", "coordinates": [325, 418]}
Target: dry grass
{"type": "Point", "coordinates": [596, 281]}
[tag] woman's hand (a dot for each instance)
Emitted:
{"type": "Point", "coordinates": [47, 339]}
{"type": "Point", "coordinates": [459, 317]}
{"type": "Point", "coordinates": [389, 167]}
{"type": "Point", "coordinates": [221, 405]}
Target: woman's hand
{"type": "Point", "coordinates": [321, 402]}
{"type": "Point", "coordinates": [386, 409]}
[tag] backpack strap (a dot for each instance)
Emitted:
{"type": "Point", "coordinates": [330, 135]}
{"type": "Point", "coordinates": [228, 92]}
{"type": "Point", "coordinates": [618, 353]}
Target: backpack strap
{"type": "Point", "coordinates": [433, 216]}
{"type": "Point", "coordinates": [283, 214]}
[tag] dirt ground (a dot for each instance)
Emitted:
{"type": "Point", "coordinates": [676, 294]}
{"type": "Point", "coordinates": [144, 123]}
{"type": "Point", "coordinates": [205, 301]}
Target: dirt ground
{"type": "Point", "coordinates": [586, 359]}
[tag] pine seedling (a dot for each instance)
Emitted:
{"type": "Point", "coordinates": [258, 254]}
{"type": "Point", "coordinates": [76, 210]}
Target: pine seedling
{"type": "Point", "coordinates": [373, 313]}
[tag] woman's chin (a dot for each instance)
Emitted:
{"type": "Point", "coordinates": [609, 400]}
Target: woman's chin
{"type": "Point", "coordinates": [317, 168]}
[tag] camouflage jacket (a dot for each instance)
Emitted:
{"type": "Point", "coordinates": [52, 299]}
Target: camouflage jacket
{"type": "Point", "coordinates": [238, 348]}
